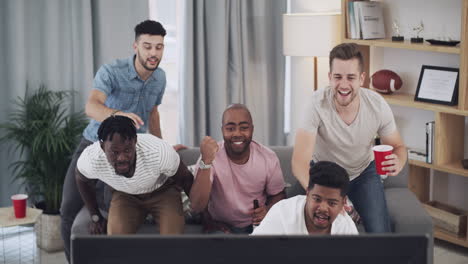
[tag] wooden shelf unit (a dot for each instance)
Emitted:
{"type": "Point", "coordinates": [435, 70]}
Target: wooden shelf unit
{"type": "Point", "coordinates": [407, 45]}
{"type": "Point", "coordinates": [454, 167]}
{"type": "Point", "coordinates": [449, 120]}
{"type": "Point", "coordinates": [407, 100]}
{"type": "Point", "coordinates": [440, 234]}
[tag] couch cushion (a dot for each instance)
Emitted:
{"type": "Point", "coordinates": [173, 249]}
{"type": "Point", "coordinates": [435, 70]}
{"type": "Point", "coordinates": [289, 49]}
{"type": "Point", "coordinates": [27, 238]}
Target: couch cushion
{"type": "Point", "coordinates": [406, 213]}
{"type": "Point", "coordinates": [399, 181]}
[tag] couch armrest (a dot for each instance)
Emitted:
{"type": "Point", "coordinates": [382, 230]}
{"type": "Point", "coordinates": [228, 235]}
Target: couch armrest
{"type": "Point", "coordinates": [408, 216]}
{"type": "Point", "coordinates": [406, 212]}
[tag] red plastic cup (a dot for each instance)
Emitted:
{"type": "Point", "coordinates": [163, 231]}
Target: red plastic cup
{"type": "Point", "coordinates": [19, 205]}
{"type": "Point", "coordinates": [380, 152]}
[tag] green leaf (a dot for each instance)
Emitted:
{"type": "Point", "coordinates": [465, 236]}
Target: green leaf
{"type": "Point", "coordinates": [43, 133]}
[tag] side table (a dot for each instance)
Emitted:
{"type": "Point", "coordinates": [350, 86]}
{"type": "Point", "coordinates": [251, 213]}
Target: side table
{"type": "Point", "coordinates": [8, 219]}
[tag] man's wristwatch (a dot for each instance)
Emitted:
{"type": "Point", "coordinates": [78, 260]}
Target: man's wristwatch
{"type": "Point", "coordinates": [95, 218]}
{"type": "Point", "coordinates": [203, 166]}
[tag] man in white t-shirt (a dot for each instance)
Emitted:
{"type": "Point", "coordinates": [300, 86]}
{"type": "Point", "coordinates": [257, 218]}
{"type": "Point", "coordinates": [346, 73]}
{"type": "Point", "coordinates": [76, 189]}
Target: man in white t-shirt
{"type": "Point", "coordinates": [340, 124]}
{"type": "Point", "coordinates": [320, 211]}
{"type": "Point", "coordinates": [145, 173]}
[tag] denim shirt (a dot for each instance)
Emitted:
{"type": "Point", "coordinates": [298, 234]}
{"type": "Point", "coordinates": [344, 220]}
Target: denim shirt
{"type": "Point", "coordinates": [127, 92]}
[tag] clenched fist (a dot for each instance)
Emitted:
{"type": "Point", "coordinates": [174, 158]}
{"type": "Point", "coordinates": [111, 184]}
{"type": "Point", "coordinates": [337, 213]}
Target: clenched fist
{"type": "Point", "coordinates": [208, 149]}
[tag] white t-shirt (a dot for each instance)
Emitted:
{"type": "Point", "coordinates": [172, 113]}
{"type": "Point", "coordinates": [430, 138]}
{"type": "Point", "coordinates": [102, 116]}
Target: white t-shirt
{"type": "Point", "coordinates": [287, 218]}
{"type": "Point", "coordinates": [156, 161]}
{"type": "Point", "coordinates": [350, 146]}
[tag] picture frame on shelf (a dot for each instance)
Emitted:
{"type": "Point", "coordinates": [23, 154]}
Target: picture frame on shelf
{"type": "Point", "coordinates": [438, 85]}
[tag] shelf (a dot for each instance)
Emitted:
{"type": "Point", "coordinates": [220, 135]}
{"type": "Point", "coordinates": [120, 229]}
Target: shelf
{"type": "Point", "coordinates": [421, 164]}
{"type": "Point", "coordinates": [453, 167]}
{"type": "Point", "coordinates": [440, 234]}
{"type": "Point", "coordinates": [407, 100]}
{"type": "Point", "coordinates": [388, 43]}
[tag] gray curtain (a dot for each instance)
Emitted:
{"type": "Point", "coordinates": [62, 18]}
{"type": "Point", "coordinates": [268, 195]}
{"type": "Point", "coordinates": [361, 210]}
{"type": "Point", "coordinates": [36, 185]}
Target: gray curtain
{"type": "Point", "coordinates": [232, 53]}
{"type": "Point", "coordinates": [58, 43]}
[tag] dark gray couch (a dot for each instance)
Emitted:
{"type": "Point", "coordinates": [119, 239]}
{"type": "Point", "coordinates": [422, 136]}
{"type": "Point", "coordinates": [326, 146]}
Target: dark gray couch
{"type": "Point", "coordinates": [406, 213]}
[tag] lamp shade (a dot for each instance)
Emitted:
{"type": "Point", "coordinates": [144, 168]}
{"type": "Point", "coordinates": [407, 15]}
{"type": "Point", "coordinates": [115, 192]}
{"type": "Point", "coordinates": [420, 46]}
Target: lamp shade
{"type": "Point", "coordinates": [310, 34]}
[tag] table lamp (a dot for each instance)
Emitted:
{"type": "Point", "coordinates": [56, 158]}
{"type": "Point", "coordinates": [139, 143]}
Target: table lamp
{"type": "Point", "coordinates": [311, 35]}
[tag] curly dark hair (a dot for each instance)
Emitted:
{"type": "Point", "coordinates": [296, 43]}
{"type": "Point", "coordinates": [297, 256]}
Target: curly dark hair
{"type": "Point", "coordinates": [150, 27]}
{"type": "Point", "coordinates": [329, 174]}
{"type": "Point", "coordinates": [121, 125]}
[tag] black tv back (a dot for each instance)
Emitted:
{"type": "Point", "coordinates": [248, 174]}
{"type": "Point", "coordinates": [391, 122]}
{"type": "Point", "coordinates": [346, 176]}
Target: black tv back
{"type": "Point", "coordinates": [236, 249]}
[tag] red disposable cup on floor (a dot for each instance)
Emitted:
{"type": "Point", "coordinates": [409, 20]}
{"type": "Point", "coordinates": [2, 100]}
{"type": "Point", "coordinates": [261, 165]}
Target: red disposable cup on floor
{"type": "Point", "coordinates": [19, 205]}
{"type": "Point", "coordinates": [380, 152]}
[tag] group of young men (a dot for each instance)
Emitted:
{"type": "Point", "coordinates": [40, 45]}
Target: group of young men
{"type": "Point", "coordinates": [238, 182]}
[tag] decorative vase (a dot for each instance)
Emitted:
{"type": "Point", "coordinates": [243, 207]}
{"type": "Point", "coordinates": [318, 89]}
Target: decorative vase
{"type": "Point", "coordinates": [47, 230]}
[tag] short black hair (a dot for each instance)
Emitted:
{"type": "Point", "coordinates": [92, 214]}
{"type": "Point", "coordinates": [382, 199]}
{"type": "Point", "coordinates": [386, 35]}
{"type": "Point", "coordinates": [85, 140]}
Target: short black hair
{"type": "Point", "coordinates": [329, 174]}
{"type": "Point", "coordinates": [150, 27]}
{"type": "Point", "coordinates": [121, 125]}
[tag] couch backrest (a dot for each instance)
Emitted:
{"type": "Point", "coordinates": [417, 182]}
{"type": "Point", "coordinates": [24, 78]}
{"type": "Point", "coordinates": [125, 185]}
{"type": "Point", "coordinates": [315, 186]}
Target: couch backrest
{"type": "Point", "coordinates": [190, 157]}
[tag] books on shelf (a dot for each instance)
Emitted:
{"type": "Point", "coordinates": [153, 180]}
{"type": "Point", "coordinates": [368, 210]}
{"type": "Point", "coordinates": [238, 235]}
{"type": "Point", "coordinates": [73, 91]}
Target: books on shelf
{"type": "Point", "coordinates": [417, 154]}
{"type": "Point", "coordinates": [430, 132]}
{"type": "Point", "coordinates": [365, 20]}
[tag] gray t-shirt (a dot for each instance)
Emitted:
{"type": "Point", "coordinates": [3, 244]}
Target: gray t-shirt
{"type": "Point", "coordinates": [350, 146]}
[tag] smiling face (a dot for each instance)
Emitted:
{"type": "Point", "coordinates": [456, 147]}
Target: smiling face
{"type": "Point", "coordinates": [345, 79]}
{"type": "Point", "coordinates": [323, 205]}
{"type": "Point", "coordinates": [121, 154]}
{"type": "Point", "coordinates": [237, 132]}
{"type": "Point", "coordinates": [149, 51]}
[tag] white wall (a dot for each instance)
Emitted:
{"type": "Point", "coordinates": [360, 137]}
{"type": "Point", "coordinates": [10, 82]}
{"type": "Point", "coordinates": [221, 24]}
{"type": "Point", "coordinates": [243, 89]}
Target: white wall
{"type": "Point", "coordinates": [302, 68]}
{"type": "Point", "coordinates": [441, 19]}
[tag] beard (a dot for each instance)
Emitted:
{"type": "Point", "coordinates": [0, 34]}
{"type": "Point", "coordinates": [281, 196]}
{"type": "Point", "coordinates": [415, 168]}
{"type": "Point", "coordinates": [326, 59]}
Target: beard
{"type": "Point", "coordinates": [145, 64]}
{"type": "Point", "coordinates": [237, 150]}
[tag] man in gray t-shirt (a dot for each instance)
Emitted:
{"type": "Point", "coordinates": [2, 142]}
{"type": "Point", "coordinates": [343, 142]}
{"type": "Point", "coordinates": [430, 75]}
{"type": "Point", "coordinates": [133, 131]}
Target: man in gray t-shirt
{"type": "Point", "coordinates": [340, 124]}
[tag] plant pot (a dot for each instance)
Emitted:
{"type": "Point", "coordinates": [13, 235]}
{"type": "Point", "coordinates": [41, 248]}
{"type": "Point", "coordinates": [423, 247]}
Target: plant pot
{"type": "Point", "coordinates": [47, 230]}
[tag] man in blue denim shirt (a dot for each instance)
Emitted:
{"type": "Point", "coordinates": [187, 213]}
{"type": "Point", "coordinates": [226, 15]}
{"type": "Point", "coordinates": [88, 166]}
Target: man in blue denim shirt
{"type": "Point", "coordinates": [132, 87]}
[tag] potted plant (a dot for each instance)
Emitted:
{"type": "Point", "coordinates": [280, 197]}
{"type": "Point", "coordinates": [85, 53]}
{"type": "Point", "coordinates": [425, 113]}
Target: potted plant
{"type": "Point", "coordinates": [45, 132]}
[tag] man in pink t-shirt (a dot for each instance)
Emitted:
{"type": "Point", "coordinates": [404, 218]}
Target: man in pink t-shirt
{"type": "Point", "coordinates": [231, 174]}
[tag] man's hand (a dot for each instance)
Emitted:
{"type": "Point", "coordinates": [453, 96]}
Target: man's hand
{"type": "Point", "coordinates": [138, 121]}
{"type": "Point", "coordinates": [258, 214]}
{"type": "Point", "coordinates": [208, 149]}
{"type": "Point", "coordinates": [392, 165]}
{"type": "Point", "coordinates": [179, 147]}
{"type": "Point", "coordinates": [99, 227]}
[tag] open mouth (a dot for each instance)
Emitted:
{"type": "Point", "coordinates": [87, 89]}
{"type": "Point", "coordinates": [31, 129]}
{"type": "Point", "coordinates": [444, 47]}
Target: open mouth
{"type": "Point", "coordinates": [153, 61]}
{"type": "Point", "coordinates": [321, 219]}
{"type": "Point", "coordinates": [344, 93]}
{"type": "Point", "coordinates": [122, 166]}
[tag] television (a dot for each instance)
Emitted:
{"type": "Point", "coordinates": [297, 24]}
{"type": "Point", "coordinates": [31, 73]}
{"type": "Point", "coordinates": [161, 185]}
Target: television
{"type": "Point", "coordinates": [237, 249]}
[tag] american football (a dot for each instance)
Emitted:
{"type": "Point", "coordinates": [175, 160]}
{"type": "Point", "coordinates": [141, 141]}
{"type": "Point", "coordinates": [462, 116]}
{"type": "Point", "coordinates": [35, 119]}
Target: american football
{"type": "Point", "coordinates": [386, 81]}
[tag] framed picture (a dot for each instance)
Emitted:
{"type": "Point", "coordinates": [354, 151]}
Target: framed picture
{"type": "Point", "coordinates": [437, 85]}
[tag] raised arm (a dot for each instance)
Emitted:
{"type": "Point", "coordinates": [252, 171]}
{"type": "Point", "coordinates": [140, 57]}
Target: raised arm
{"type": "Point", "coordinates": [398, 159]}
{"type": "Point", "coordinates": [97, 110]}
{"type": "Point", "coordinates": [201, 188]}
{"type": "Point", "coordinates": [302, 155]}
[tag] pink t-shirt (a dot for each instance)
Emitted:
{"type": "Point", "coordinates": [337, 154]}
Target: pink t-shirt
{"type": "Point", "coordinates": [234, 187]}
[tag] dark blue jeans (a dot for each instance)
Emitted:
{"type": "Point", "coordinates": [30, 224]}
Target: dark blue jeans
{"type": "Point", "coordinates": [368, 197]}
